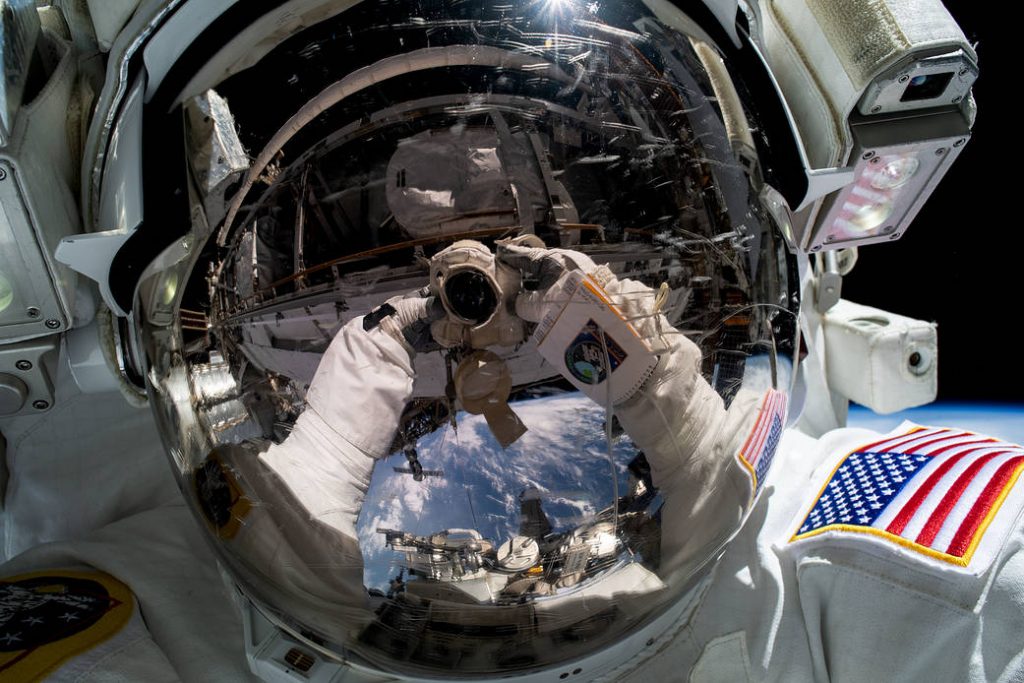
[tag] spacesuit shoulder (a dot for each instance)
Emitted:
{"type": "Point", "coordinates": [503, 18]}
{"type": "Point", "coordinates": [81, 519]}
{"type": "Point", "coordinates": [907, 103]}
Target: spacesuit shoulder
{"type": "Point", "coordinates": [942, 498]}
{"type": "Point", "coordinates": [899, 552]}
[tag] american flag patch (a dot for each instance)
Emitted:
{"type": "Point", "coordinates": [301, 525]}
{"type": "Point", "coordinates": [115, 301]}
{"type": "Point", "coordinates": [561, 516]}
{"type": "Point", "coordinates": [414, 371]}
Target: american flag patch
{"type": "Point", "coordinates": [759, 449]}
{"type": "Point", "coordinates": [934, 491]}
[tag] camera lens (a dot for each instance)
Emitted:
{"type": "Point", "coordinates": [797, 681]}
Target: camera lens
{"type": "Point", "coordinates": [471, 296]}
{"type": "Point", "coordinates": [926, 87]}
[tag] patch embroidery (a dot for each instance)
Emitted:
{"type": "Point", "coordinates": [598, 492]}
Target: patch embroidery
{"type": "Point", "coordinates": [759, 449]}
{"type": "Point", "coordinates": [931, 490]}
{"type": "Point", "coordinates": [585, 356]}
{"type": "Point", "coordinates": [221, 499]}
{"type": "Point", "coordinates": [47, 618]}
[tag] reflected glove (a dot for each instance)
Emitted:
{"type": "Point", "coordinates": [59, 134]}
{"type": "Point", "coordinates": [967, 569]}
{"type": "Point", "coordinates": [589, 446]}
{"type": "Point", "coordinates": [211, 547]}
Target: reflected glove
{"type": "Point", "coordinates": [407, 320]}
{"type": "Point", "coordinates": [675, 417]}
{"type": "Point", "coordinates": [355, 403]}
{"type": "Point", "coordinates": [549, 269]}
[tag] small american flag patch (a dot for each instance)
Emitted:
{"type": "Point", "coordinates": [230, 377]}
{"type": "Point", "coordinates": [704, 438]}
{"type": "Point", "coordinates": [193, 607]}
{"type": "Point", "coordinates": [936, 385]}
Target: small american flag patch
{"type": "Point", "coordinates": [759, 449]}
{"type": "Point", "coordinates": [934, 491]}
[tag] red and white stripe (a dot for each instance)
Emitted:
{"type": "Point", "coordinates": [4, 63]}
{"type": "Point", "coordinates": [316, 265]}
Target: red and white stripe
{"type": "Point", "coordinates": [863, 194]}
{"type": "Point", "coordinates": [774, 403]}
{"type": "Point", "coordinates": [952, 494]}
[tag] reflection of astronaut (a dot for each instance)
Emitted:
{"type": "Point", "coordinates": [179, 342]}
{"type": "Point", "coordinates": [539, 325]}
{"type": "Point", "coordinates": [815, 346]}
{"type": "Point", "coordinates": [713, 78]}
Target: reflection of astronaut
{"type": "Point", "coordinates": [326, 462]}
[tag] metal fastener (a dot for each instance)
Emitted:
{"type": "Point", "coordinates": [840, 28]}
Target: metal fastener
{"type": "Point", "coordinates": [3, 174]}
{"type": "Point", "coordinates": [867, 155]}
{"type": "Point", "coordinates": [904, 78]}
{"type": "Point", "coordinates": [23, 365]}
{"type": "Point", "coordinates": [40, 405]}
{"type": "Point", "coordinates": [52, 323]}
{"type": "Point", "coordinates": [32, 312]}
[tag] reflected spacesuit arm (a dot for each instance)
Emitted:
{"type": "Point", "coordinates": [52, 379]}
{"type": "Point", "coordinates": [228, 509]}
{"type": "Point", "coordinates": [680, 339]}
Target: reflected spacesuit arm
{"type": "Point", "coordinates": [354, 404]}
{"type": "Point", "coordinates": [692, 442]}
{"type": "Point", "coordinates": [689, 438]}
{"type": "Point", "coordinates": [306, 492]}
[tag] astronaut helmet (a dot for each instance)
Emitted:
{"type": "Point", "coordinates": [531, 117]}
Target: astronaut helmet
{"type": "Point", "coordinates": [487, 515]}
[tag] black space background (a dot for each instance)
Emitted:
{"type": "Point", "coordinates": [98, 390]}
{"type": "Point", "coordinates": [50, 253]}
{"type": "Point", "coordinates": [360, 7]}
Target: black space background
{"type": "Point", "coordinates": [961, 263]}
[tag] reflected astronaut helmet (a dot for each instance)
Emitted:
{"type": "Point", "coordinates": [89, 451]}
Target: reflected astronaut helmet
{"type": "Point", "coordinates": [405, 131]}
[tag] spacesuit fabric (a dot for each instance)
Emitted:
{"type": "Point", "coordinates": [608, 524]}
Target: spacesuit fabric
{"type": "Point", "coordinates": [189, 628]}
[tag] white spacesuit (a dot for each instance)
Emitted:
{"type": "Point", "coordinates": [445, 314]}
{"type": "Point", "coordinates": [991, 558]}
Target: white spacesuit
{"type": "Point", "coordinates": [578, 266]}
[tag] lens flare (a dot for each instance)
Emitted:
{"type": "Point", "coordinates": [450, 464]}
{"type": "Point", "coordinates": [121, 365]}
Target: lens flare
{"type": "Point", "coordinates": [896, 172]}
{"type": "Point", "coordinates": [6, 293]}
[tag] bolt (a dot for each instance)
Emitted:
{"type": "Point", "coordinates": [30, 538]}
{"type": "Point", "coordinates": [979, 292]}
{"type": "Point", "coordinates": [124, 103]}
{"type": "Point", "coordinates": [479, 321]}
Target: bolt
{"type": "Point", "coordinates": [830, 238]}
{"type": "Point", "coordinates": [956, 100]}
{"type": "Point", "coordinates": [868, 155]}
{"type": "Point", "coordinates": [894, 236]}
{"type": "Point", "coordinates": [32, 312]}
{"type": "Point", "coordinates": [650, 641]}
{"type": "Point", "coordinates": [40, 405]}
{"type": "Point", "coordinates": [817, 248]}
{"type": "Point", "coordinates": [23, 365]}
{"type": "Point", "coordinates": [940, 151]}
{"type": "Point", "coordinates": [915, 359]}
{"type": "Point", "coordinates": [960, 143]}
{"type": "Point", "coordinates": [3, 174]}
{"type": "Point", "coordinates": [963, 71]}
{"type": "Point", "coordinates": [904, 78]}
{"type": "Point", "coordinates": [875, 109]}
{"type": "Point", "coordinates": [52, 323]}
{"type": "Point", "coordinates": [876, 160]}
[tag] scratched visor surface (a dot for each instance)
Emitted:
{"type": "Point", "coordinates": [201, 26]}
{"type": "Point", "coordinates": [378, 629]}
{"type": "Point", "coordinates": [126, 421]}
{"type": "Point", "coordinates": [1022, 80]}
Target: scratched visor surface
{"type": "Point", "coordinates": [596, 127]}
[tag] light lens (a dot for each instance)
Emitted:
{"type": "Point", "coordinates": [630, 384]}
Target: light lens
{"type": "Point", "coordinates": [894, 172]}
{"type": "Point", "coordinates": [869, 216]}
{"type": "Point", "coordinates": [170, 289]}
{"type": "Point", "coordinates": [6, 293]}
